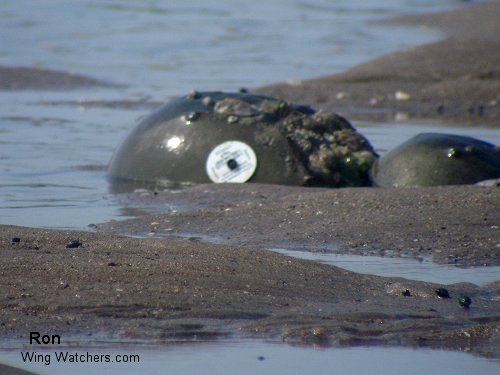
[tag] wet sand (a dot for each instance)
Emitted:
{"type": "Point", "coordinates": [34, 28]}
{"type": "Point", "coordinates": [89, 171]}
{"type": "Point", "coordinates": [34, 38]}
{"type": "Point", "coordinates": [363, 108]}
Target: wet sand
{"type": "Point", "coordinates": [169, 287]}
{"type": "Point", "coordinates": [454, 224]}
{"type": "Point", "coordinates": [176, 286]}
{"type": "Point", "coordinates": [457, 78]}
{"type": "Point", "coordinates": [29, 78]}
{"type": "Point", "coordinates": [159, 289]}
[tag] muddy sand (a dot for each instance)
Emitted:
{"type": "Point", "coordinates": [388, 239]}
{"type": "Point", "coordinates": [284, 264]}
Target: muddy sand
{"type": "Point", "coordinates": [30, 78]}
{"type": "Point", "coordinates": [175, 285]}
{"type": "Point", "coordinates": [450, 224]}
{"type": "Point", "coordinates": [456, 78]}
{"type": "Point", "coordinates": [198, 268]}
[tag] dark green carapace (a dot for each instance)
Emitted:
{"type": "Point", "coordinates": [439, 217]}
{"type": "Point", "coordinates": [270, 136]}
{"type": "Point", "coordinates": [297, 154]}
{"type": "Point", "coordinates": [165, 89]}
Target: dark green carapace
{"type": "Point", "coordinates": [294, 145]}
{"type": "Point", "coordinates": [430, 159]}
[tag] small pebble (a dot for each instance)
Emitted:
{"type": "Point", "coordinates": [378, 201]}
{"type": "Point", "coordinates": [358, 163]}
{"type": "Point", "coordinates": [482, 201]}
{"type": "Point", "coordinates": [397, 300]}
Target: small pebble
{"type": "Point", "coordinates": [442, 293]}
{"type": "Point", "coordinates": [15, 240]}
{"type": "Point", "coordinates": [401, 116]}
{"type": "Point", "coordinates": [465, 302]}
{"type": "Point", "coordinates": [73, 244]}
{"type": "Point", "coordinates": [402, 96]}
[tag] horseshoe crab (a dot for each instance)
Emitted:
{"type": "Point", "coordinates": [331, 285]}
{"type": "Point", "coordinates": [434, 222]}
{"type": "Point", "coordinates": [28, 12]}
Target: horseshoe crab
{"type": "Point", "coordinates": [240, 137]}
{"type": "Point", "coordinates": [430, 159]}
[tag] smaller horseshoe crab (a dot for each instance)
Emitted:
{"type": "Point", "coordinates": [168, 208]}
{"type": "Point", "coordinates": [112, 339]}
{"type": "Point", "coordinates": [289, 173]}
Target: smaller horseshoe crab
{"type": "Point", "coordinates": [438, 159]}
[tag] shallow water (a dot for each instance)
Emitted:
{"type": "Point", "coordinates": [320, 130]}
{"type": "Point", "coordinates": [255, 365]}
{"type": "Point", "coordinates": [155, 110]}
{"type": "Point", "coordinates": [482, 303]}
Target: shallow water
{"type": "Point", "coordinates": [164, 48]}
{"type": "Point", "coordinates": [407, 268]}
{"type": "Point", "coordinates": [390, 134]}
{"type": "Point", "coordinates": [54, 145]}
{"type": "Point", "coordinates": [254, 357]}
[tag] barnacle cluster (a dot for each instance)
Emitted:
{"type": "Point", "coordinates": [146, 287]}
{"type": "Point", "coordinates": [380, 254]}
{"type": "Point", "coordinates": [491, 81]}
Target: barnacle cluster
{"type": "Point", "coordinates": [331, 150]}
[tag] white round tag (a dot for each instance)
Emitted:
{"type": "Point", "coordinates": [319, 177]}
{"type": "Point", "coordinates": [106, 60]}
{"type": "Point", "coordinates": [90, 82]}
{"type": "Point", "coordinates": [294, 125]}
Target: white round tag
{"type": "Point", "coordinates": [231, 161]}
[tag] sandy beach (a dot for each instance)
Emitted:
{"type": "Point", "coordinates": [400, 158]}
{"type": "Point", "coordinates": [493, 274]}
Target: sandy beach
{"type": "Point", "coordinates": [158, 289]}
{"type": "Point", "coordinates": [202, 270]}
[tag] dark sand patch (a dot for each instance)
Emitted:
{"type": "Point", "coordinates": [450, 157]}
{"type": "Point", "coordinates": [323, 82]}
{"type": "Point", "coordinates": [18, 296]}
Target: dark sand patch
{"type": "Point", "coordinates": [161, 289]}
{"type": "Point", "coordinates": [457, 78]}
{"type": "Point", "coordinates": [24, 78]}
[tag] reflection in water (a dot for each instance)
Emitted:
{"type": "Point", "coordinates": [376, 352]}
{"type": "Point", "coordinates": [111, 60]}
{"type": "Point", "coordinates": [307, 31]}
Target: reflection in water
{"type": "Point", "coordinates": [407, 268]}
{"type": "Point", "coordinates": [254, 357]}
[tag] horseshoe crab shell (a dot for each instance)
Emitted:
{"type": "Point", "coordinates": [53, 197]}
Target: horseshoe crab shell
{"type": "Point", "coordinates": [293, 145]}
{"type": "Point", "coordinates": [438, 159]}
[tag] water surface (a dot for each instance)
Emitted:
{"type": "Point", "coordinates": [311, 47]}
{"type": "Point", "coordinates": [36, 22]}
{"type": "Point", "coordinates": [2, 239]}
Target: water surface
{"type": "Point", "coordinates": [408, 268]}
{"type": "Point", "coordinates": [54, 145]}
{"type": "Point", "coordinates": [253, 357]}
